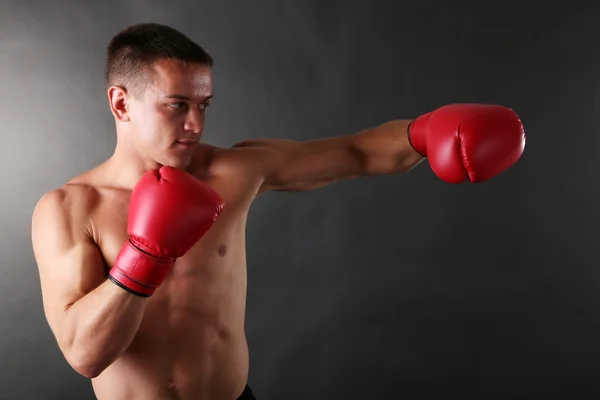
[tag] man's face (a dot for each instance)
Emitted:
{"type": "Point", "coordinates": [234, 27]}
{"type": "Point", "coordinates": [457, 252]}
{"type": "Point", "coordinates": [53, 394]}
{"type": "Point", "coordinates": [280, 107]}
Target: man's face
{"type": "Point", "coordinates": [168, 118]}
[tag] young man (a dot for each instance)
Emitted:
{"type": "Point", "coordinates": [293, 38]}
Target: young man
{"type": "Point", "coordinates": [142, 258]}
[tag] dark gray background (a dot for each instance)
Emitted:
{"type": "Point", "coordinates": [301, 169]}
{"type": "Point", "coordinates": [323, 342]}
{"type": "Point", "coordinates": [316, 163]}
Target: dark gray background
{"type": "Point", "coordinates": [396, 287]}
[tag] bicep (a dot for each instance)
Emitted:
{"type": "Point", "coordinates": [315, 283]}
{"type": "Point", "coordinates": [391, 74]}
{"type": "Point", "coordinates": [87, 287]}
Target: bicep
{"type": "Point", "coordinates": [69, 263]}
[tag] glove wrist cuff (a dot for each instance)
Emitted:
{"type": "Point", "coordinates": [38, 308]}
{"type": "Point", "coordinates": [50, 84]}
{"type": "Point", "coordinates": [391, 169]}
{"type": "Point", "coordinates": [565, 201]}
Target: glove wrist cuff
{"type": "Point", "coordinates": [416, 132]}
{"type": "Point", "coordinates": [139, 272]}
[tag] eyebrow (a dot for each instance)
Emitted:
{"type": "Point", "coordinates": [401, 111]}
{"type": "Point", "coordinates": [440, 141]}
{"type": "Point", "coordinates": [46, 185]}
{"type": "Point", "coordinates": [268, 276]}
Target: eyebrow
{"type": "Point", "coordinates": [186, 98]}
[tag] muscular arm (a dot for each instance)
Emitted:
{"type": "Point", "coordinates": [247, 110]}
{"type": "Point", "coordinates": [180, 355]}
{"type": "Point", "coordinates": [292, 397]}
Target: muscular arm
{"type": "Point", "coordinates": [93, 320]}
{"type": "Point", "coordinates": [288, 165]}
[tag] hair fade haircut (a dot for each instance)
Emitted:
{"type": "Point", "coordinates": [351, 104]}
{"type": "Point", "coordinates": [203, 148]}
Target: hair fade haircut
{"type": "Point", "coordinates": [132, 52]}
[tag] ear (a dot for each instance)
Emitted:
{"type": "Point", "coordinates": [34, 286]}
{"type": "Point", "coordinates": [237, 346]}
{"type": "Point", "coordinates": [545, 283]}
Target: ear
{"type": "Point", "coordinates": [117, 99]}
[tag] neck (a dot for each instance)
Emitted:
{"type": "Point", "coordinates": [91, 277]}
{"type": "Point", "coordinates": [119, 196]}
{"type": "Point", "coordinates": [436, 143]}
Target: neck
{"type": "Point", "coordinates": [126, 166]}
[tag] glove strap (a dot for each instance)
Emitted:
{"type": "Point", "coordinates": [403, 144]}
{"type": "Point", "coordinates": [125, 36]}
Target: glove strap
{"type": "Point", "coordinates": [139, 272]}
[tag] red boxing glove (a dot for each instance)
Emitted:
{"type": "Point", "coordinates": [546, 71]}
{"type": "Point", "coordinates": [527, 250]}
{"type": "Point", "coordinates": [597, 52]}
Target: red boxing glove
{"type": "Point", "coordinates": [468, 141]}
{"type": "Point", "coordinates": [169, 211]}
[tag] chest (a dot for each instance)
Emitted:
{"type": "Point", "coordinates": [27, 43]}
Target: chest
{"type": "Point", "coordinates": [224, 241]}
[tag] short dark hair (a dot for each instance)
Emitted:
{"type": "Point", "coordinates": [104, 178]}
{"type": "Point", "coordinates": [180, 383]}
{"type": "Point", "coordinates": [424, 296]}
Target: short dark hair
{"type": "Point", "coordinates": [132, 52]}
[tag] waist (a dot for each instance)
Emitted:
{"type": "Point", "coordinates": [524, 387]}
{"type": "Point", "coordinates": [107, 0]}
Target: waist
{"type": "Point", "coordinates": [193, 364]}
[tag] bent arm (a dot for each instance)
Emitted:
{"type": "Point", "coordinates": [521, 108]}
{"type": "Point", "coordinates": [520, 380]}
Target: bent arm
{"type": "Point", "coordinates": [288, 165]}
{"type": "Point", "coordinates": [99, 327]}
{"type": "Point", "coordinates": [93, 320]}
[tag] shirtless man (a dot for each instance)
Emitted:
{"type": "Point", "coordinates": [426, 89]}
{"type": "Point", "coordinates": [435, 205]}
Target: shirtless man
{"type": "Point", "coordinates": [142, 258]}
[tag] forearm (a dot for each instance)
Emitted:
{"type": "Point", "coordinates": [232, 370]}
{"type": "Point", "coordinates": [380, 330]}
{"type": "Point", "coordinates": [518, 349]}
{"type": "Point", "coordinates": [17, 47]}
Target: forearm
{"type": "Point", "coordinates": [99, 327]}
{"type": "Point", "coordinates": [386, 149]}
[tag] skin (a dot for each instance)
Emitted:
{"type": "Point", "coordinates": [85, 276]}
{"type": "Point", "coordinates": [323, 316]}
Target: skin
{"type": "Point", "coordinates": [187, 341]}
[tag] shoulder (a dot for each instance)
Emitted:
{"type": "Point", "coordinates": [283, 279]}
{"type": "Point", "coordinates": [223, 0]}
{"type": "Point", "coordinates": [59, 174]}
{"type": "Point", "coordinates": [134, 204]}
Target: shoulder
{"type": "Point", "coordinates": [65, 209]}
{"type": "Point", "coordinates": [73, 197]}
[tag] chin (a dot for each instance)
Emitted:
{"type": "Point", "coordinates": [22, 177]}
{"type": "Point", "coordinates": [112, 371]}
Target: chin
{"type": "Point", "coordinates": [179, 163]}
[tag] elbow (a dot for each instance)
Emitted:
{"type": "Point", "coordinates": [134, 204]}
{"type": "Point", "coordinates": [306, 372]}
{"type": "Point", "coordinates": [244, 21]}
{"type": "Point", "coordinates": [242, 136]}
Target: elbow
{"type": "Point", "coordinates": [87, 373]}
{"type": "Point", "coordinates": [85, 368]}
{"type": "Point", "coordinates": [85, 363]}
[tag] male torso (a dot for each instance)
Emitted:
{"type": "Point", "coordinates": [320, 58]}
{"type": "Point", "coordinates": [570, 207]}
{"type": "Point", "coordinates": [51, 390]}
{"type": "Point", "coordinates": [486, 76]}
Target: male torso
{"type": "Point", "coordinates": [191, 342]}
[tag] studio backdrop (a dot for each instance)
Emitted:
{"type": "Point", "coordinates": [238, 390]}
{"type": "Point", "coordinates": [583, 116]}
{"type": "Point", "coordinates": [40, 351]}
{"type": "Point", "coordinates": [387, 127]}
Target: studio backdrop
{"type": "Point", "coordinates": [397, 287]}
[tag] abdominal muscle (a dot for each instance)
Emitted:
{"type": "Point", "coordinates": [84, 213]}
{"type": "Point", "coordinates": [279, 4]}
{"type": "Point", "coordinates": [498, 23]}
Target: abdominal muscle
{"type": "Point", "coordinates": [191, 343]}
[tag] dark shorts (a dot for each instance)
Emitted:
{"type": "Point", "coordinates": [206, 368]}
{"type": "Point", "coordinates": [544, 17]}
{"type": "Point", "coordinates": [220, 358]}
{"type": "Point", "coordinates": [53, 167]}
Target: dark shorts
{"type": "Point", "coordinates": [247, 394]}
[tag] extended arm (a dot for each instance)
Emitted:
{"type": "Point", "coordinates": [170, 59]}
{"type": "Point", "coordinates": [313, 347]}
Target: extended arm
{"type": "Point", "coordinates": [462, 142]}
{"type": "Point", "coordinates": [298, 166]}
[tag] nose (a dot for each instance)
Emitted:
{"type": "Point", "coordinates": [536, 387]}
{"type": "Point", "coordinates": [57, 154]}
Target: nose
{"type": "Point", "coordinates": [194, 121]}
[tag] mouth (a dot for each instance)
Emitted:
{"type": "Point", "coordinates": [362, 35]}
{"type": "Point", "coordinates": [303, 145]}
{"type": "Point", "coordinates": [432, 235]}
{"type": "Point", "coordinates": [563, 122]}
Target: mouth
{"type": "Point", "coordinates": [187, 143]}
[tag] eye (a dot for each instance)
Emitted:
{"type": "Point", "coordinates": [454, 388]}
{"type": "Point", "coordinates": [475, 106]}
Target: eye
{"type": "Point", "coordinates": [177, 105]}
{"type": "Point", "coordinates": [204, 106]}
